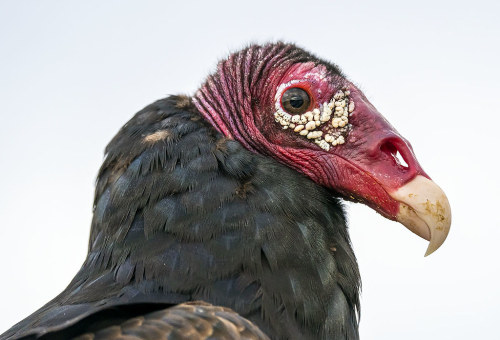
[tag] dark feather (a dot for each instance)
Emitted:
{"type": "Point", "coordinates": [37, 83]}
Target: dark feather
{"type": "Point", "coordinates": [182, 213]}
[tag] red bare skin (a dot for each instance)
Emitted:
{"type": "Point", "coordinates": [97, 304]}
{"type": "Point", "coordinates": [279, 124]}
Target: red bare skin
{"type": "Point", "coordinates": [364, 168]}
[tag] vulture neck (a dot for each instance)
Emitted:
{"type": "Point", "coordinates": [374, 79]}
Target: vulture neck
{"type": "Point", "coordinates": [183, 213]}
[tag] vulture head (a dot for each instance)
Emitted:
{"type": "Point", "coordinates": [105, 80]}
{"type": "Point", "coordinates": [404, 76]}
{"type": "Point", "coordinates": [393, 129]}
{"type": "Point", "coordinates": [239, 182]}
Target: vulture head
{"type": "Point", "coordinates": [281, 101]}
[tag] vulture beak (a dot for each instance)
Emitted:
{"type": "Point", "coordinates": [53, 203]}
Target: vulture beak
{"type": "Point", "coordinates": [424, 209]}
{"type": "Point", "coordinates": [381, 170]}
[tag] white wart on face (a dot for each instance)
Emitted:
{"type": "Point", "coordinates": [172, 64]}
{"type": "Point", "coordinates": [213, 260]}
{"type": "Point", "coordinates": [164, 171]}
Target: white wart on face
{"type": "Point", "coordinates": [326, 125]}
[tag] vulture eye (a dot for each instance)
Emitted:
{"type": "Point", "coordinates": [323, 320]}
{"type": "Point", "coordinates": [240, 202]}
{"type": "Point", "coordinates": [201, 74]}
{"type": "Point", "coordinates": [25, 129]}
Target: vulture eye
{"type": "Point", "coordinates": [295, 100]}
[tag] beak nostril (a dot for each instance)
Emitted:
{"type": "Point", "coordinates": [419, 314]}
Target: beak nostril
{"type": "Point", "coordinates": [390, 149]}
{"type": "Point", "coordinates": [400, 160]}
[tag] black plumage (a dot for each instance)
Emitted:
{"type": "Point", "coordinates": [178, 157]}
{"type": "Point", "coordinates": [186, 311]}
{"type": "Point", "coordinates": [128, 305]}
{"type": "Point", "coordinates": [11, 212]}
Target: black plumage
{"type": "Point", "coordinates": [182, 213]}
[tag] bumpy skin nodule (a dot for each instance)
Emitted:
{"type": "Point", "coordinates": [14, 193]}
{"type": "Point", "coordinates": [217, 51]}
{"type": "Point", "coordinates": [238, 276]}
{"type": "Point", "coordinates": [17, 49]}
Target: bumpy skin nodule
{"type": "Point", "coordinates": [183, 213]}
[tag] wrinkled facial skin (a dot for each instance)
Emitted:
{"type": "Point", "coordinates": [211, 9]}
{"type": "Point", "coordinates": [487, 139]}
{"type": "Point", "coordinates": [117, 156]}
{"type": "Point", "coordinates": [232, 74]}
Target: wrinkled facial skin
{"type": "Point", "coordinates": [354, 151]}
{"type": "Point", "coordinates": [372, 165]}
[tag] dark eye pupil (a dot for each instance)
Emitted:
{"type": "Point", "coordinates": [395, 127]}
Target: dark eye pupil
{"type": "Point", "coordinates": [295, 100]}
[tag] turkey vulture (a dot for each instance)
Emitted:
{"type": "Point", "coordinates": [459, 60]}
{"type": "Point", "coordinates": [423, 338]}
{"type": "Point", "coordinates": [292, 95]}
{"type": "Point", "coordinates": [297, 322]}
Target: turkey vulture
{"type": "Point", "coordinates": [220, 216]}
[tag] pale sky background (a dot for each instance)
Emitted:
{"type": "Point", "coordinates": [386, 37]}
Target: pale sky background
{"type": "Point", "coordinates": [72, 73]}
